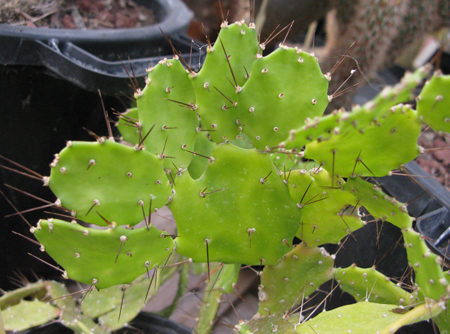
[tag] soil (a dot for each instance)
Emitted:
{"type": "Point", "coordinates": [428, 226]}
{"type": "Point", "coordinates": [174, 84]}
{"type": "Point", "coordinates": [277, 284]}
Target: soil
{"type": "Point", "coordinates": [76, 14]}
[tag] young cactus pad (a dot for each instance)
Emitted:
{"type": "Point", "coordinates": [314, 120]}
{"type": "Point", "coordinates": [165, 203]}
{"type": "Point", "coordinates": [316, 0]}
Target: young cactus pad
{"type": "Point", "coordinates": [374, 150]}
{"type": "Point", "coordinates": [433, 103]}
{"type": "Point", "coordinates": [110, 179]}
{"type": "Point", "coordinates": [371, 285]}
{"type": "Point", "coordinates": [328, 212]}
{"type": "Point", "coordinates": [167, 114]}
{"type": "Point", "coordinates": [103, 257]}
{"type": "Point", "coordinates": [300, 273]}
{"type": "Point", "coordinates": [226, 69]}
{"type": "Point", "coordinates": [238, 211]}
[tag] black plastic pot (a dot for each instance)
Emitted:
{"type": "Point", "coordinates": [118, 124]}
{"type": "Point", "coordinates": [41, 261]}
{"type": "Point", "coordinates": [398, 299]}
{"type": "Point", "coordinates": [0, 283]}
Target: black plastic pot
{"type": "Point", "coordinates": [90, 58]}
{"type": "Point", "coordinates": [49, 80]}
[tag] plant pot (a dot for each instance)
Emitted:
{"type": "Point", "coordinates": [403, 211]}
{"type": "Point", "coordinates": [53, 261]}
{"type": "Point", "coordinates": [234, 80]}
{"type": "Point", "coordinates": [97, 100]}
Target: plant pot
{"type": "Point", "coordinates": [49, 82]}
{"type": "Point", "coordinates": [90, 58]}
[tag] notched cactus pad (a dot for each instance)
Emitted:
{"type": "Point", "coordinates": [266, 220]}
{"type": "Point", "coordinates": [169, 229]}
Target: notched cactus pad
{"type": "Point", "coordinates": [427, 265]}
{"type": "Point", "coordinates": [375, 150]}
{"type": "Point", "coordinates": [433, 103]}
{"type": "Point", "coordinates": [284, 89]}
{"type": "Point", "coordinates": [359, 318]}
{"type": "Point", "coordinates": [28, 314]}
{"type": "Point", "coordinates": [328, 212]}
{"type": "Point", "coordinates": [166, 109]}
{"type": "Point", "coordinates": [371, 285]}
{"type": "Point", "coordinates": [219, 80]}
{"type": "Point", "coordinates": [112, 179]}
{"type": "Point", "coordinates": [300, 273]}
{"type": "Point", "coordinates": [239, 211]}
{"type": "Point", "coordinates": [379, 204]}
{"type": "Point", "coordinates": [103, 257]}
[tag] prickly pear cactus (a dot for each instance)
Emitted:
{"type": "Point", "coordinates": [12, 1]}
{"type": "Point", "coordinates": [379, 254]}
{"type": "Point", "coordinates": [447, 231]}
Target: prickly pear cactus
{"type": "Point", "coordinates": [227, 150]}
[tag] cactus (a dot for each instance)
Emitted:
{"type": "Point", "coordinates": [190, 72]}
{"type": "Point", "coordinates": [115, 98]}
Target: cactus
{"type": "Point", "coordinates": [229, 151]}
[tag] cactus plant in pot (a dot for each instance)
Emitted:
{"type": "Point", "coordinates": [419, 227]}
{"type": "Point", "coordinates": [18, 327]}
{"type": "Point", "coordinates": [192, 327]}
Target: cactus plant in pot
{"type": "Point", "coordinates": [243, 156]}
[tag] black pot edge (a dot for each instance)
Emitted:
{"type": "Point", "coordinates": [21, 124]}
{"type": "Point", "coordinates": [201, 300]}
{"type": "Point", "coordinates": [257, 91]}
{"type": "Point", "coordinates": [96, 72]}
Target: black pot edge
{"type": "Point", "coordinates": [176, 18]}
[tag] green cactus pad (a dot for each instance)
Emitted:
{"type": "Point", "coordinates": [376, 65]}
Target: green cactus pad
{"type": "Point", "coordinates": [299, 274]}
{"type": "Point", "coordinates": [427, 265]}
{"type": "Point", "coordinates": [33, 290]}
{"type": "Point", "coordinates": [328, 213]}
{"type": "Point", "coordinates": [371, 285]}
{"type": "Point", "coordinates": [319, 127]}
{"type": "Point", "coordinates": [433, 103]}
{"type": "Point", "coordinates": [359, 318]}
{"type": "Point", "coordinates": [340, 122]}
{"type": "Point", "coordinates": [211, 301]}
{"type": "Point", "coordinates": [372, 111]}
{"type": "Point", "coordinates": [167, 104]}
{"type": "Point", "coordinates": [379, 204]}
{"type": "Point", "coordinates": [284, 89]}
{"type": "Point", "coordinates": [111, 179]}
{"type": "Point", "coordinates": [259, 324]}
{"type": "Point", "coordinates": [229, 275]}
{"type": "Point", "coordinates": [28, 314]}
{"type": "Point", "coordinates": [70, 312]}
{"type": "Point", "coordinates": [128, 131]}
{"type": "Point", "coordinates": [215, 84]}
{"type": "Point", "coordinates": [133, 301]}
{"type": "Point", "coordinates": [104, 257]}
{"type": "Point", "coordinates": [240, 208]}
{"type": "Point", "coordinates": [373, 152]}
